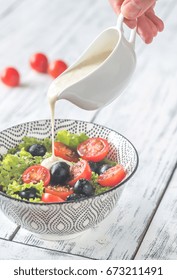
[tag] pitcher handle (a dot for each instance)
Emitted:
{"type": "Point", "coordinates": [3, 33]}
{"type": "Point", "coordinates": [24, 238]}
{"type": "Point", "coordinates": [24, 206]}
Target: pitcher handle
{"type": "Point", "coordinates": [120, 27]}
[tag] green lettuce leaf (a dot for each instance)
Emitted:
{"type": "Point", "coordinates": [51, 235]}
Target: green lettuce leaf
{"type": "Point", "coordinates": [70, 139]}
{"type": "Point", "coordinates": [15, 187]}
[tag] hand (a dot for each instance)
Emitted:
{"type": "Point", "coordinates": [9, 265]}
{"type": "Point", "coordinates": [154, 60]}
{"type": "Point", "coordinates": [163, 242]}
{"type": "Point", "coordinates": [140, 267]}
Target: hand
{"type": "Point", "coordinates": [140, 13]}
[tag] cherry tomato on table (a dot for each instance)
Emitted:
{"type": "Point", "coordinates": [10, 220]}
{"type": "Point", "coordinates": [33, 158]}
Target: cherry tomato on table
{"type": "Point", "coordinates": [63, 151]}
{"type": "Point", "coordinates": [112, 177]}
{"type": "Point", "coordinates": [35, 174]}
{"type": "Point", "coordinates": [93, 149]}
{"type": "Point", "coordinates": [47, 198]}
{"type": "Point", "coordinates": [10, 76]}
{"type": "Point", "coordinates": [62, 192]}
{"type": "Point", "coordinates": [56, 68]}
{"type": "Point", "coordinates": [39, 62]}
{"type": "Point", "coordinates": [80, 170]}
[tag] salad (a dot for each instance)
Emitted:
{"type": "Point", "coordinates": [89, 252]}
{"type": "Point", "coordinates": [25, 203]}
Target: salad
{"type": "Point", "coordinates": [81, 170]}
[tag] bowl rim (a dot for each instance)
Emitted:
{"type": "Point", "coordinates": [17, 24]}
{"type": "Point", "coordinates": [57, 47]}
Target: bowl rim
{"type": "Point", "coordinates": [80, 199]}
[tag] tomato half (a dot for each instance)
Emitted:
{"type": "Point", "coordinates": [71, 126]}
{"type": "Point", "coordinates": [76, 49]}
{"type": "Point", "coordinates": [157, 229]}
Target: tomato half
{"type": "Point", "coordinates": [35, 174]}
{"type": "Point", "coordinates": [80, 170]}
{"type": "Point", "coordinates": [61, 150]}
{"type": "Point", "coordinates": [39, 62]}
{"type": "Point", "coordinates": [10, 76]}
{"type": "Point", "coordinates": [62, 192]}
{"type": "Point", "coordinates": [112, 177]}
{"type": "Point", "coordinates": [47, 197]}
{"type": "Point", "coordinates": [93, 149]}
{"type": "Point", "coordinates": [56, 68]}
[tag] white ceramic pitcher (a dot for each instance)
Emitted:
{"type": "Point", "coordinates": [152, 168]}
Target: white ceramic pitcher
{"type": "Point", "coordinates": [111, 77]}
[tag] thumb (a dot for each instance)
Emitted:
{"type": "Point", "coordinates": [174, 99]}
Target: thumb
{"type": "Point", "coordinates": [131, 9]}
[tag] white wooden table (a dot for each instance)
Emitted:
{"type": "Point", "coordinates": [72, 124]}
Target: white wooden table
{"type": "Point", "coordinates": [144, 223]}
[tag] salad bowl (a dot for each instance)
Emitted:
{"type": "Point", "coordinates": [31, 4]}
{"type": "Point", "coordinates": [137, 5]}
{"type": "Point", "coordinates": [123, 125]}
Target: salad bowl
{"type": "Point", "coordinates": [69, 218]}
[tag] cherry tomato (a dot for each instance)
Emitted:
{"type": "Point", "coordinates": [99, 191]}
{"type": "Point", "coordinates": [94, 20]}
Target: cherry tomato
{"type": "Point", "coordinates": [56, 68]}
{"type": "Point", "coordinates": [35, 174]}
{"type": "Point", "coordinates": [63, 151]}
{"type": "Point", "coordinates": [112, 177]}
{"type": "Point", "coordinates": [62, 192]}
{"type": "Point", "coordinates": [93, 149]}
{"type": "Point", "coordinates": [80, 170]}
{"type": "Point", "coordinates": [48, 198]}
{"type": "Point", "coordinates": [10, 76]}
{"type": "Point", "coordinates": [39, 62]}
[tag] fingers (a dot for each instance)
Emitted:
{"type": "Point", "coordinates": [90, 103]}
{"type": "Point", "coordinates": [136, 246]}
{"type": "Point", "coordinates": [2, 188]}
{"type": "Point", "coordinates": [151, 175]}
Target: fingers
{"type": "Point", "coordinates": [116, 5]}
{"type": "Point", "coordinates": [148, 26]}
{"type": "Point", "coordinates": [139, 13]}
{"type": "Point", "coordinates": [146, 29]}
{"type": "Point", "coordinates": [132, 9]}
{"type": "Point", "coordinates": [130, 23]}
{"type": "Point", "coordinates": [156, 20]}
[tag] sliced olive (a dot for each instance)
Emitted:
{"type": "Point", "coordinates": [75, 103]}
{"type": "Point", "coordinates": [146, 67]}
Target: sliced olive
{"type": "Point", "coordinates": [23, 194]}
{"type": "Point", "coordinates": [75, 196]}
{"type": "Point", "coordinates": [83, 186]}
{"type": "Point", "coordinates": [94, 166]}
{"type": "Point", "coordinates": [37, 150]}
{"type": "Point", "coordinates": [32, 195]}
{"type": "Point", "coordinates": [28, 193]}
{"type": "Point", "coordinates": [103, 168]}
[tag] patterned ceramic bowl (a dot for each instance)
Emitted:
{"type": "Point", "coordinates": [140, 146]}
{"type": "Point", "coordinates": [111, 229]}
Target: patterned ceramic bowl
{"type": "Point", "coordinates": [67, 219]}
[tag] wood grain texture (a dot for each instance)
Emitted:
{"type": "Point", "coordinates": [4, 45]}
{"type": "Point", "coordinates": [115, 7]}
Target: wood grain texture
{"type": "Point", "coordinates": [14, 251]}
{"type": "Point", "coordinates": [54, 29]}
{"type": "Point", "coordinates": [145, 113]}
{"type": "Point", "coordinates": [7, 228]}
{"type": "Point", "coordinates": [160, 241]}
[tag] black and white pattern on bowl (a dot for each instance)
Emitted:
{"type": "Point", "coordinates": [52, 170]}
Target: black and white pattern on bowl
{"type": "Point", "coordinates": [68, 217]}
{"type": "Point", "coordinates": [62, 218]}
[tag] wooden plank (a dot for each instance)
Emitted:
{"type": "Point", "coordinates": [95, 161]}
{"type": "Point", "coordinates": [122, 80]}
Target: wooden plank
{"type": "Point", "coordinates": [7, 228]}
{"type": "Point", "coordinates": [49, 32]}
{"type": "Point", "coordinates": [146, 114]}
{"type": "Point", "coordinates": [160, 239]}
{"type": "Point", "coordinates": [8, 6]}
{"type": "Point", "coordinates": [15, 251]}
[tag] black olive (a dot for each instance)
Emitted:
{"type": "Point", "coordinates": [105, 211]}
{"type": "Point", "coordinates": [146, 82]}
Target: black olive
{"type": "Point", "coordinates": [94, 166]}
{"type": "Point", "coordinates": [28, 193]}
{"type": "Point", "coordinates": [32, 195]}
{"type": "Point", "coordinates": [74, 196]}
{"type": "Point", "coordinates": [37, 150]}
{"type": "Point", "coordinates": [60, 173]}
{"type": "Point", "coordinates": [23, 194]}
{"type": "Point", "coordinates": [78, 187]}
{"type": "Point", "coordinates": [83, 186]}
{"type": "Point", "coordinates": [1, 157]}
{"type": "Point", "coordinates": [103, 168]}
